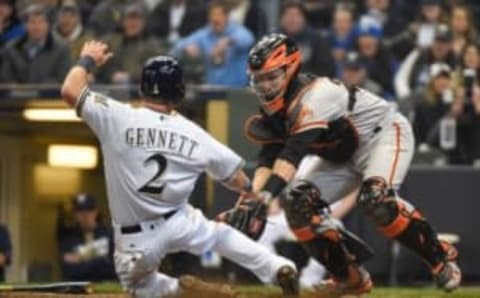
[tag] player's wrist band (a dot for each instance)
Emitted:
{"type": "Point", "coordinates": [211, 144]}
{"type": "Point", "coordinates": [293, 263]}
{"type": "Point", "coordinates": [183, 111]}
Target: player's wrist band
{"type": "Point", "coordinates": [274, 185]}
{"type": "Point", "coordinates": [87, 62]}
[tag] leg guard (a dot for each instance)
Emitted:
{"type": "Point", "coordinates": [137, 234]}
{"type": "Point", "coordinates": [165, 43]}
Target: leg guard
{"type": "Point", "coordinates": [399, 220]}
{"type": "Point", "coordinates": [332, 245]}
{"type": "Point", "coordinates": [323, 237]}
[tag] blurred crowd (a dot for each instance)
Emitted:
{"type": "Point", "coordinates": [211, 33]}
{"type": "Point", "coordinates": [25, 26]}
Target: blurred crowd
{"type": "Point", "coordinates": [422, 55]}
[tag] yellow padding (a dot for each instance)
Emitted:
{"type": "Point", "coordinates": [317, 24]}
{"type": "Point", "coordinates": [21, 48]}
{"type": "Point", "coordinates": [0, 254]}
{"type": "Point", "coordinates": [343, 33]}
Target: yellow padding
{"type": "Point", "coordinates": [217, 126]}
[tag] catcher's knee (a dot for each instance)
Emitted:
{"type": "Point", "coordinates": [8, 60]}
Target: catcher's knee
{"type": "Point", "coordinates": [302, 203]}
{"type": "Point", "coordinates": [391, 214]}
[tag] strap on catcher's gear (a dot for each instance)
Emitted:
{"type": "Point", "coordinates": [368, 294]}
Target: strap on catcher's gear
{"type": "Point", "coordinates": [323, 237]}
{"type": "Point", "coordinates": [260, 131]}
{"type": "Point", "coordinates": [249, 217]}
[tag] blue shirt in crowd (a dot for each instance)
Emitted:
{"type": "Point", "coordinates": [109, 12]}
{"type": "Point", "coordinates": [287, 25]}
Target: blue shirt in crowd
{"type": "Point", "coordinates": [232, 70]}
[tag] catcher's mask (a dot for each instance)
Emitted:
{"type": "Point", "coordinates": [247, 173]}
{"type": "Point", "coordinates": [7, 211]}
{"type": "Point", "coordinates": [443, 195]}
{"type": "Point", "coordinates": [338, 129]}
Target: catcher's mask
{"type": "Point", "coordinates": [272, 64]}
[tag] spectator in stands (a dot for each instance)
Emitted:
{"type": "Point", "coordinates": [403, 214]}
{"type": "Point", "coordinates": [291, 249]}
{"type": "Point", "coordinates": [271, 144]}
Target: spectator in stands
{"type": "Point", "coordinates": [315, 49]}
{"type": "Point", "coordinates": [10, 25]}
{"type": "Point", "coordinates": [421, 33]}
{"type": "Point", "coordinates": [319, 13]}
{"type": "Point", "coordinates": [132, 47]}
{"type": "Point", "coordinates": [447, 119]}
{"type": "Point", "coordinates": [468, 70]}
{"type": "Point", "coordinates": [222, 45]}
{"type": "Point", "coordinates": [105, 16]}
{"type": "Point", "coordinates": [414, 70]}
{"type": "Point", "coordinates": [87, 249]}
{"type": "Point", "coordinates": [378, 61]}
{"type": "Point", "coordinates": [381, 11]}
{"type": "Point", "coordinates": [431, 104]}
{"type": "Point", "coordinates": [431, 16]}
{"type": "Point", "coordinates": [69, 29]}
{"type": "Point", "coordinates": [342, 34]}
{"type": "Point", "coordinates": [36, 57]}
{"type": "Point", "coordinates": [173, 19]}
{"type": "Point", "coordinates": [5, 251]}
{"type": "Point", "coordinates": [355, 73]}
{"type": "Point", "coordinates": [463, 28]}
{"type": "Point", "coordinates": [467, 78]}
{"type": "Point", "coordinates": [391, 22]}
{"type": "Point", "coordinates": [250, 14]}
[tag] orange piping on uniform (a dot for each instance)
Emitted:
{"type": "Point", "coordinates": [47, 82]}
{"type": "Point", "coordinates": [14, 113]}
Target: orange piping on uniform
{"type": "Point", "coordinates": [397, 153]}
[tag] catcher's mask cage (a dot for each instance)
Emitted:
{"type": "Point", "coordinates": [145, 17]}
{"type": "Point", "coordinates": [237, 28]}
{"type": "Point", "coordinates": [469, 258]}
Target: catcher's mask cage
{"type": "Point", "coordinates": [272, 64]}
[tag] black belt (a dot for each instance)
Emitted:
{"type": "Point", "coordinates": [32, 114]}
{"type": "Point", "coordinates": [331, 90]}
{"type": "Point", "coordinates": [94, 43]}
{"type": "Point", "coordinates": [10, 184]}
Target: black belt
{"type": "Point", "coordinates": [138, 228]}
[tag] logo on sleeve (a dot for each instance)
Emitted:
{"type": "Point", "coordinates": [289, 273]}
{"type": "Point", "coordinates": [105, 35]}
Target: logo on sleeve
{"type": "Point", "coordinates": [99, 99]}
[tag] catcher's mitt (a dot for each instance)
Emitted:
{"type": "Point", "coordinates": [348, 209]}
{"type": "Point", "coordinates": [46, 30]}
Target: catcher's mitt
{"type": "Point", "coordinates": [249, 217]}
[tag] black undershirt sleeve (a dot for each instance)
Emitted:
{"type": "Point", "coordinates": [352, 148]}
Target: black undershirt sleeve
{"type": "Point", "coordinates": [298, 145]}
{"type": "Point", "coordinates": [268, 154]}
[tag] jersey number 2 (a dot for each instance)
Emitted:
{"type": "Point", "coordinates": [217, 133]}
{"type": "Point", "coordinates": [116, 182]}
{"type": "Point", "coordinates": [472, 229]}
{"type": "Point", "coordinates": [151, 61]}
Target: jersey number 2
{"type": "Point", "coordinates": [162, 165]}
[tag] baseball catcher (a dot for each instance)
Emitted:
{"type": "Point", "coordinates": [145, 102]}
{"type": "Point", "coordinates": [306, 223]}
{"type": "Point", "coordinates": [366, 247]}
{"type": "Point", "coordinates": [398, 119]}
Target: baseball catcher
{"type": "Point", "coordinates": [340, 138]}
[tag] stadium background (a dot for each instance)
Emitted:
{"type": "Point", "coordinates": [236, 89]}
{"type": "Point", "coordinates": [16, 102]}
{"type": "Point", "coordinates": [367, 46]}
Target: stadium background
{"type": "Point", "coordinates": [35, 196]}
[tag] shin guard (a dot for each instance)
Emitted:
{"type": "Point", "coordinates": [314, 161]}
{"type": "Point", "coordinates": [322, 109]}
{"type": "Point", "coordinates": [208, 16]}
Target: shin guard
{"type": "Point", "coordinates": [323, 237]}
{"type": "Point", "coordinates": [398, 219]}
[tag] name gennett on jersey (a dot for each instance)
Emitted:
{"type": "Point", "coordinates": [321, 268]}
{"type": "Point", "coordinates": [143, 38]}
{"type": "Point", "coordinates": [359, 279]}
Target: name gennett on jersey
{"type": "Point", "coordinates": [165, 140]}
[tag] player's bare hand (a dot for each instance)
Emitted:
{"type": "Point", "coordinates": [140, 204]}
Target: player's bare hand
{"type": "Point", "coordinates": [98, 50]}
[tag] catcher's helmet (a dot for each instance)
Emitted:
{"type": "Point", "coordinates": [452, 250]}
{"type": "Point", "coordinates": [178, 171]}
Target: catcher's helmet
{"type": "Point", "coordinates": [275, 58]}
{"type": "Point", "coordinates": [162, 78]}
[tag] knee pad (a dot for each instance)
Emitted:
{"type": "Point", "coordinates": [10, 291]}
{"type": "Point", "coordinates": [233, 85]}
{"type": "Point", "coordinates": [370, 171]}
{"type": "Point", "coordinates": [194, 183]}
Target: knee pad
{"type": "Point", "coordinates": [378, 201]}
{"type": "Point", "coordinates": [302, 203]}
{"type": "Point", "coordinates": [391, 214]}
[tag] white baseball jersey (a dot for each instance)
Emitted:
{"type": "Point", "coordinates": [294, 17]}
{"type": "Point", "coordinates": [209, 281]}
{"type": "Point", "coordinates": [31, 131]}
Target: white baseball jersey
{"type": "Point", "coordinates": [152, 160]}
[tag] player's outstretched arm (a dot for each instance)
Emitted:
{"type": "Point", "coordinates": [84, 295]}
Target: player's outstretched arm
{"type": "Point", "coordinates": [260, 177]}
{"type": "Point", "coordinates": [93, 54]}
{"type": "Point", "coordinates": [239, 182]}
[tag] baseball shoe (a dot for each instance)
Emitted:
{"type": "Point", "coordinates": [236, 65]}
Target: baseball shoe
{"type": "Point", "coordinates": [358, 283]}
{"type": "Point", "coordinates": [192, 287]}
{"type": "Point", "coordinates": [287, 278]}
{"type": "Point", "coordinates": [447, 274]}
{"type": "Point", "coordinates": [450, 250]}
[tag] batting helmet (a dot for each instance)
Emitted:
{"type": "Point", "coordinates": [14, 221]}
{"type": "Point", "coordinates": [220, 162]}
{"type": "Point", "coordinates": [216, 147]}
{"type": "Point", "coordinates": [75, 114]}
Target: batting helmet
{"type": "Point", "coordinates": [162, 78]}
{"type": "Point", "coordinates": [274, 56]}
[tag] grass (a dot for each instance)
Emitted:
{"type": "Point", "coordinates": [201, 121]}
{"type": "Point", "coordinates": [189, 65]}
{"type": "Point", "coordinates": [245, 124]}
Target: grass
{"type": "Point", "coordinates": [258, 291]}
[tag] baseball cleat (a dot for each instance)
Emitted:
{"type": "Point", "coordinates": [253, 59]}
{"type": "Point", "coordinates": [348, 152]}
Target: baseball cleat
{"type": "Point", "coordinates": [287, 278]}
{"type": "Point", "coordinates": [447, 276]}
{"type": "Point", "coordinates": [358, 283]}
{"type": "Point", "coordinates": [193, 287]}
{"type": "Point", "coordinates": [450, 250]}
